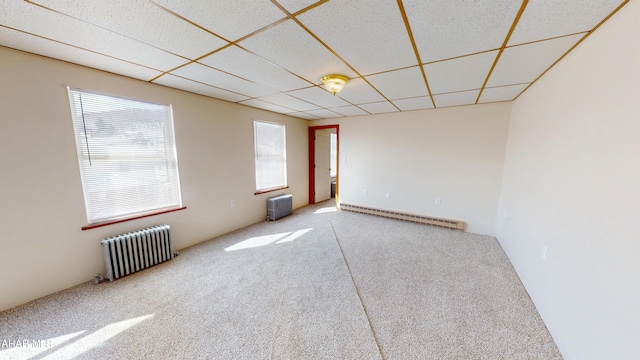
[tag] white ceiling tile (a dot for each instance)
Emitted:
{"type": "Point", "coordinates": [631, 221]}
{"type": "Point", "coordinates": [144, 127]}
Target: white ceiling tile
{"type": "Point", "coordinates": [294, 6]}
{"type": "Point", "coordinates": [547, 19]}
{"type": "Point", "coordinates": [502, 93]}
{"type": "Point", "coordinates": [318, 96]}
{"type": "Point", "coordinates": [280, 43]}
{"type": "Point", "coordinates": [357, 91]}
{"type": "Point", "coordinates": [37, 45]}
{"type": "Point", "coordinates": [222, 80]}
{"type": "Point", "coordinates": [400, 84]}
{"type": "Point", "coordinates": [524, 63]}
{"type": "Point", "coordinates": [360, 25]}
{"type": "Point", "coordinates": [349, 110]}
{"type": "Point", "coordinates": [456, 99]}
{"type": "Point", "coordinates": [324, 113]}
{"type": "Point", "coordinates": [465, 73]}
{"type": "Point", "coordinates": [289, 102]}
{"type": "Point", "coordinates": [194, 87]}
{"type": "Point", "coordinates": [252, 67]}
{"type": "Point", "coordinates": [379, 107]}
{"type": "Point", "coordinates": [48, 24]}
{"type": "Point", "coordinates": [229, 19]}
{"type": "Point", "coordinates": [418, 103]}
{"type": "Point", "coordinates": [305, 116]}
{"type": "Point", "coordinates": [267, 106]}
{"type": "Point", "coordinates": [446, 29]}
{"type": "Point", "coordinates": [143, 21]}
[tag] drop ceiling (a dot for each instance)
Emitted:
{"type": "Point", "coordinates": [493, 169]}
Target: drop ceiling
{"type": "Point", "coordinates": [399, 55]}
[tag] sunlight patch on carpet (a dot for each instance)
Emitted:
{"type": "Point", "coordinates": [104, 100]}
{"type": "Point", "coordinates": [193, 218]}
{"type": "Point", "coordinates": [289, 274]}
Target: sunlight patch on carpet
{"type": "Point", "coordinates": [264, 240]}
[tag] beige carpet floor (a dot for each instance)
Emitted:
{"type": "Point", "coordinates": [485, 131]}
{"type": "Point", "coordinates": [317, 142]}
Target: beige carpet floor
{"type": "Point", "coordinates": [319, 284]}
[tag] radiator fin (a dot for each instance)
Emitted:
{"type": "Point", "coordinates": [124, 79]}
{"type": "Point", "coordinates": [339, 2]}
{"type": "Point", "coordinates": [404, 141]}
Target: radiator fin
{"type": "Point", "coordinates": [429, 220]}
{"type": "Point", "coordinates": [134, 251]}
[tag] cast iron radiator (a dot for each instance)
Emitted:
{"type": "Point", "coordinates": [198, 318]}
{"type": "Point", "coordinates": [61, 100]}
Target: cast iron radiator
{"type": "Point", "coordinates": [279, 206]}
{"type": "Point", "coordinates": [131, 252]}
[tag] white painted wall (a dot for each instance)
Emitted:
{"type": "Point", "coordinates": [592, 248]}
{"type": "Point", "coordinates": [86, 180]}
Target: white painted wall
{"type": "Point", "coordinates": [572, 184]}
{"type": "Point", "coordinates": [42, 249]}
{"type": "Point", "coordinates": [456, 154]}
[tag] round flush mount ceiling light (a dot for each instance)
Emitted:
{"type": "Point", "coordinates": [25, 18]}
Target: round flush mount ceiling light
{"type": "Point", "coordinates": [334, 82]}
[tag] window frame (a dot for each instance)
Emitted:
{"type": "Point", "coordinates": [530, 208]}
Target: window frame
{"type": "Point", "coordinates": [283, 156]}
{"type": "Point", "coordinates": [170, 154]}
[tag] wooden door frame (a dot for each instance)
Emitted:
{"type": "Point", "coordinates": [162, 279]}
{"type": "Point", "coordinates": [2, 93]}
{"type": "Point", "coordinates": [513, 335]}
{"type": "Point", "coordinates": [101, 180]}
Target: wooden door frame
{"type": "Point", "coordinates": [312, 158]}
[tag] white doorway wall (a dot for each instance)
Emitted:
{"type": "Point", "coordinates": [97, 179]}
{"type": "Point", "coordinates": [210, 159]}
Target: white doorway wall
{"type": "Point", "coordinates": [322, 166]}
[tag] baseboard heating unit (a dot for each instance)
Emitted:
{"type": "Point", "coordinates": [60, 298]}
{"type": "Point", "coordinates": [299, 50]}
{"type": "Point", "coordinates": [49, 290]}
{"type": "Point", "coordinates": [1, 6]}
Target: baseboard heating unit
{"type": "Point", "coordinates": [279, 207]}
{"type": "Point", "coordinates": [429, 220]}
{"type": "Point", "coordinates": [134, 251]}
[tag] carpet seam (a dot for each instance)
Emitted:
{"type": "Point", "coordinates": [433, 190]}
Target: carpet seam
{"type": "Point", "coordinates": [355, 286]}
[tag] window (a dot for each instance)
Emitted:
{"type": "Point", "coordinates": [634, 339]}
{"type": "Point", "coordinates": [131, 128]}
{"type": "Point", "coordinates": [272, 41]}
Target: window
{"type": "Point", "coordinates": [127, 156]}
{"type": "Point", "coordinates": [271, 156]}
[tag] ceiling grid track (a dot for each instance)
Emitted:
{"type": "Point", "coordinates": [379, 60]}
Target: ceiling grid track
{"type": "Point", "coordinates": [415, 49]}
{"type": "Point", "coordinates": [271, 55]}
{"type": "Point", "coordinates": [331, 50]}
{"type": "Point", "coordinates": [504, 45]}
{"type": "Point", "coordinates": [574, 46]}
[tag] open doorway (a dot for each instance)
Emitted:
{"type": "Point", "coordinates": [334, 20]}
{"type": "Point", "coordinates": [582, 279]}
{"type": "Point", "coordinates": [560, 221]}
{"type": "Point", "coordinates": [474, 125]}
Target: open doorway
{"type": "Point", "coordinates": [323, 163]}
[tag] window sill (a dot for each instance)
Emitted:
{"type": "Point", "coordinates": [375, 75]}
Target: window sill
{"type": "Point", "coordinates": [111, 222]}
{"type": "Point", "coordinates": [270, 190]}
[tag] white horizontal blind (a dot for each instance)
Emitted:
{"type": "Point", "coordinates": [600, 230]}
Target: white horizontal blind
{"type": "Point", "coordinates": [127, 155]}
{"type": "Point", "coordinates": [271, 155]}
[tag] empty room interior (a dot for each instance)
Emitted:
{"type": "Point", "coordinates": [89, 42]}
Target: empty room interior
{"type": "Point", "coordinates": [511, 125]}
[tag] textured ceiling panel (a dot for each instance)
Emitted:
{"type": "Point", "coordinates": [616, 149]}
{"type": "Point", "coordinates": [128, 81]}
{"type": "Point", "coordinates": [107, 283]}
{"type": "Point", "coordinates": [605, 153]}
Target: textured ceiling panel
{"type": "Point", "coordinates": [502, 93]}
{"type": "Point", "coordinates": [21, 41]}
{"type": "Point", "coordinates": [267, 106]}
{"type": "Point", "coordinates": [524, 63]}
{"type": "Point", "coordinates": [324, 113]}
{"type": "Point", "coordinates": [400, 84]}
{"type": "Point", "coordinates": [311, 60]}
{"type": "Point", "coordinates": [465, 73]}
{"type": "Point", "coordinates": [364, 24]}
{"type": "Point", "coordinates": [547, 19]}
{"type": "Point", "coordinates": [357, 91]}
{"type": "Point", "coordinates": [143, 21]}
{"type": "Point", "coordinates": [222, 80]}
{"type": "Point", "coordinates": [456, 99]}
{"type": "Point", "coordinates": [48, 24]}
{"type": "Point", "coordinates": [194, 87]}
{"type": "Point", "coordinates": [294, 6]}
{"type": "Point", "coordinates": [379, 107]}
{"type": "Point", "coordinates": [349, 110]}
{"type": "Point", "coordinates": [252, 67]}
{"type": "Point", "coordinates": [418, 103]}
{"type": "Point", "coordinates": [289, 102]}
{"type": "Point", "coordinates": [445, 29]}
{"type": "Point", "coordinates": [277, 62]}
{"type": "Point", "coordinates": [319, 97]}
{"type": "Point", "coordinates": [229, 19]}
{"type": "Point", "coordinates": [303, 115]}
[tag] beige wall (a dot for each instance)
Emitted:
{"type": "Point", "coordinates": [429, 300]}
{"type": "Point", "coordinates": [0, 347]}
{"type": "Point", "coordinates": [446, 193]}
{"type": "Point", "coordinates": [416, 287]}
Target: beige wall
{"type": "Point", "coordinates": [456, 154]}
{"type": "Point", "coordinates": [42, 249]}
{"type": "Point", "coordinates": [572, 184]}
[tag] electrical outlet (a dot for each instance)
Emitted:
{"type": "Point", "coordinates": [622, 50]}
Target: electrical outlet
{"type": "Point", "coordinates": [543, 253]}
{"type": "Point", "coordinates": [233, 203]}
{"type": "Point", "coordinates": [387, 195]}
{"type": "Point", "coordinates": [366, 192]}
{"type": "Point", "coordinates": [438, 202]}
